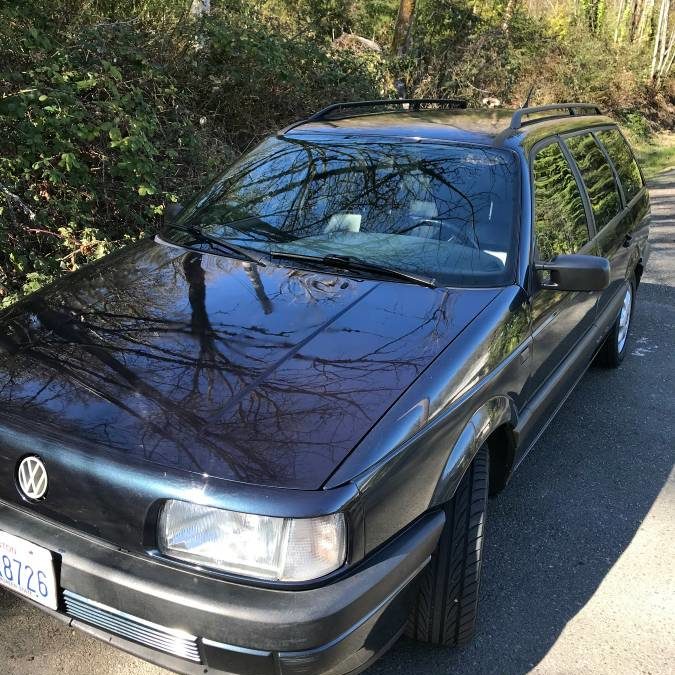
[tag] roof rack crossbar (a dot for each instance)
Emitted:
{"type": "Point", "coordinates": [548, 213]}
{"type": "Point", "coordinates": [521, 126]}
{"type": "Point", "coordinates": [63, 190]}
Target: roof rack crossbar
{"type": "Point", "coordinates": [571, 108]}
{"type": "Point", "coordinates": [412, 103]}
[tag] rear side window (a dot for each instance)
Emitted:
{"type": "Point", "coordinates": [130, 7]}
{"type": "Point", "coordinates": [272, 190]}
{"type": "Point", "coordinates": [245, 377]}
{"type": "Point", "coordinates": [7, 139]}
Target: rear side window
{"type": "Point", "coordinates": [624, 162]}
{"type": "Point", "coordinates": [559, 215]}
{"type": "Point", "coordinates": [602, 189]}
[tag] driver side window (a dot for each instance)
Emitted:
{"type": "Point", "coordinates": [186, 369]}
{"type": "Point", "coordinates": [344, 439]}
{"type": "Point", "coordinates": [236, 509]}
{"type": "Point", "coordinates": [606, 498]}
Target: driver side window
{"type": "Point", "coordinates": [560, 222]}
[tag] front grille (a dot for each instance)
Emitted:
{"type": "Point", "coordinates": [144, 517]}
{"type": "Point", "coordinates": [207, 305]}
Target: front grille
{"type": "Point", "coordinates": [132, 628]}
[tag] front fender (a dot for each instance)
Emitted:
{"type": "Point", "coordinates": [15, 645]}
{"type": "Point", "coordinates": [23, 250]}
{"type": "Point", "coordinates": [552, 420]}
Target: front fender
{"type": "Point", "coordinates": [489, 417]}
{"type": "Point", "coordinates": [414, 458]}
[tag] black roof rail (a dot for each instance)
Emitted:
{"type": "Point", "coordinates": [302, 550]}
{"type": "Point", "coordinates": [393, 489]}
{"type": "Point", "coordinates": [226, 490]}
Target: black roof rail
{"type": "Point", "coordinates": [411, 103]}
{"type": "Point", "coordinates": [571, 109]}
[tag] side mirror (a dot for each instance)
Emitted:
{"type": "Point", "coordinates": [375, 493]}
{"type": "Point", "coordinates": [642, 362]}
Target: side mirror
{"type": "Point", "coordinates": [574, 273]}
{"type": "Point", "coordinates": [172, 211]}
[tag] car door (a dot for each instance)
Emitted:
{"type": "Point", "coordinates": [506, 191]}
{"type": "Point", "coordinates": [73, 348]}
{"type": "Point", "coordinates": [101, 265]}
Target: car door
{"type": "Point", "coordinates": [561, 218]}
{"type": "Point", "coordinates": [613, 224]}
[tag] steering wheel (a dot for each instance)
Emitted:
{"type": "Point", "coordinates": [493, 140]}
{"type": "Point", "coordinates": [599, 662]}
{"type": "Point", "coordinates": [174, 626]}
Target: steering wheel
{"type": "Point", "coordinates": [422, 223]}
{"type": "Point", "coordinates": [457, 233]}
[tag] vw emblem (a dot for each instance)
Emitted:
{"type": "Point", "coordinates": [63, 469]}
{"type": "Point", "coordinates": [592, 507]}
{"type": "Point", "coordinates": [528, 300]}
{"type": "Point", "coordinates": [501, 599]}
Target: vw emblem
{"type": "Point", "coordinates": [32, 477]}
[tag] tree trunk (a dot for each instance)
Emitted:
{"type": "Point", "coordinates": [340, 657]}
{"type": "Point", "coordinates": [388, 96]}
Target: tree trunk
{"type": "Point", "coordinates": [666, 55]}
{"type": "Point", "coordinates": [658, 39]}
{"type": "Point", "coordinates": [664, 35]}
{"type": "Point", "coordinates": [635, 14]}
{"type": "Point", "coordinates": [619, 20]}
{"type": "Point", "coordinates": [670, 57]}
{"type": "Point", "coordinates": [402, 34]}
{"type": "Point", "coordinates": [645, 20]}
{"type": "Point", "coordinates": [404, 21]}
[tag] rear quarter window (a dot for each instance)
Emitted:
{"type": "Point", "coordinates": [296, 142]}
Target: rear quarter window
{"type": "Point", "coordinates": [622, 157]}
{"type": "Point", "coordinates": [603, 192]}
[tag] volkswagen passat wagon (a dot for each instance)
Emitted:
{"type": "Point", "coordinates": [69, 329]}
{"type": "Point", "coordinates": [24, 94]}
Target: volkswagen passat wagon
{"type": "Point", "coordinates": [262, 443]}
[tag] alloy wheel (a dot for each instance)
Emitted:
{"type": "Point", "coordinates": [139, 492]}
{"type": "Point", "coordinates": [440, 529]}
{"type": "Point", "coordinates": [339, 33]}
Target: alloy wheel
{"type": "Point", "coordinates": [624, 319]}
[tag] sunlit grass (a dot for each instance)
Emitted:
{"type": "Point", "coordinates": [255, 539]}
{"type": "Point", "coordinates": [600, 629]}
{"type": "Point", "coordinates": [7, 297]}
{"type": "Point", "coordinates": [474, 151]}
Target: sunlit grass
{"type": "Point", "coordinates": [657, 154]}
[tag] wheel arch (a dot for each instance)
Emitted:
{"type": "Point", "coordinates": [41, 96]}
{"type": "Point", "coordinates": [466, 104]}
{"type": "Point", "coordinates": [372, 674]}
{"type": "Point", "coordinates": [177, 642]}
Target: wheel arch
{"type": "Point", "coordinates": [639, 270]}
{"type": "Point", "coordinates": [502, 446]}
{"type": "Point", "coordinates": [492, 423]}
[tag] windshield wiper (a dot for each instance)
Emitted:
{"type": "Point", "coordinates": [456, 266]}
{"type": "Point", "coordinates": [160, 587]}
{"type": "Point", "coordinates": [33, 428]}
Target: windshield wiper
{"type": "Point", "coordinates": [347, 262]}
{"type": "Point", "coordinates": [247, 253]}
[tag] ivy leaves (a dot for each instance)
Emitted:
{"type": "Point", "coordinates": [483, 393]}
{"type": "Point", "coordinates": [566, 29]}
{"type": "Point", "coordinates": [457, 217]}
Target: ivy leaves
{"type": "Point", "coordinates": [83, 144]}
{"type": "Point", "coordinates": [104, 119]}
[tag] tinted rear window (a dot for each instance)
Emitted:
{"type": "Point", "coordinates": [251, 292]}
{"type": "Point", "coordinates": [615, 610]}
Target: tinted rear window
{"type": "Point", "coordinates": [624, 162]}
{"type": "Point", "coordinates": [602, 189]}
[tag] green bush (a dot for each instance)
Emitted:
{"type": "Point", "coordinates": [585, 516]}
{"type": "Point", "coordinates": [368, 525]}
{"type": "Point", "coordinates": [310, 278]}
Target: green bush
{"type": "Point", "coordinates": [637, 124]}
{"type": "Point", "coordinates": [102, 122]}
{"type": "Point", "coordinates": [90, 136]}
{"type": "Point", "coordinates": [109, 109]}
{"type": "Point", "coordinates": [251, 79]}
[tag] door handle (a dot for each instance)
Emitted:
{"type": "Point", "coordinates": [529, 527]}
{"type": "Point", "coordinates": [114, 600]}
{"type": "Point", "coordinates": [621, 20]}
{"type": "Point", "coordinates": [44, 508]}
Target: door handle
{"type": "Point", "coordinates": [627, 240]}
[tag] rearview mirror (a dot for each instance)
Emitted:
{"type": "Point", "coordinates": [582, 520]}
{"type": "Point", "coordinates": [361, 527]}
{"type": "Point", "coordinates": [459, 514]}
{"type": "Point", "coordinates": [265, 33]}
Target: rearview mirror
{"type": "Point", "coordinates": [172, 210]}
{"type": "Point", "coordinates": [574, 273]}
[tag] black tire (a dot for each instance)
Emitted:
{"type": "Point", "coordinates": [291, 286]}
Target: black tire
{"type": "Point", "coordinates": [447, 601]}
{"type": "Point", "coordinates": [613, 350]}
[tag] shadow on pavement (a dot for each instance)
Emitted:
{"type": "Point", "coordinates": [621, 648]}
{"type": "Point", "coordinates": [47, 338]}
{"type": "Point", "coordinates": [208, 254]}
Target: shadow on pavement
{"type": "Point", "coordinates": [572, 508]}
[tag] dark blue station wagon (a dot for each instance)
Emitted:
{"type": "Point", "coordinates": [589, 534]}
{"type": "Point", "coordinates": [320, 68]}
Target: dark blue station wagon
{"type": "Point", "coordinates": [262, 443]}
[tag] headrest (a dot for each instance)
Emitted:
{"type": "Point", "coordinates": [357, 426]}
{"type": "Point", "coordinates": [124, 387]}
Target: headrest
{"type": "Point", "coordinates": [423, 210]}
{"type": "Point", "coordinates": [343, 222]}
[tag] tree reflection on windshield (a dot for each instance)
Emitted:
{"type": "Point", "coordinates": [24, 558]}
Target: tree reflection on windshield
{"type": "Point", "coordinates": [446, 211]}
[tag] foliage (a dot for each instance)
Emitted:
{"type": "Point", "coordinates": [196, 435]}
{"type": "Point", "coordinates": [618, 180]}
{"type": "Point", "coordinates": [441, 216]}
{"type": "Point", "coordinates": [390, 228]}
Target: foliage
{"type": "Point", "coordinates": [90, 139]}
{"type": "Point", "coordinates": [270, 79]}
{"type": "Point", "coordinates": [103, 123]}
{"type": "Point", "coordinates": [109, 109]}
{"type": "Point", "coordinates": [594, 13]}
{"type": "Point", "coordinates": [636, 123]}
{"type": "Point", "coordinates": [327, 19]}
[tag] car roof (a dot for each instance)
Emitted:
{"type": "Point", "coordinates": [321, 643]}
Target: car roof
{"type": "Point", "coordinates": [490, 127]}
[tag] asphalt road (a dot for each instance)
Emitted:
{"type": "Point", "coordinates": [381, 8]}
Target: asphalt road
{"type": "Point", "coordinates": [580, 561]}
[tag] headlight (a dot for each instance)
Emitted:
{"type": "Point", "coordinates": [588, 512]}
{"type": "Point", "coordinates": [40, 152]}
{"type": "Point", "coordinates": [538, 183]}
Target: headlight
{"type": "Point", "coordinates": [283, 549]}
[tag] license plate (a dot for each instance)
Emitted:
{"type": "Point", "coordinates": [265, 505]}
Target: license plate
{"type": "Point", "coordinates": [27, 569]}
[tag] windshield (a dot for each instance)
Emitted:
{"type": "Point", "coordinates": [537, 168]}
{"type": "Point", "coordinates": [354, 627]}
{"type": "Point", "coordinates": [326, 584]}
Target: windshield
{"type": "Point", "coordinates": [445, 211]}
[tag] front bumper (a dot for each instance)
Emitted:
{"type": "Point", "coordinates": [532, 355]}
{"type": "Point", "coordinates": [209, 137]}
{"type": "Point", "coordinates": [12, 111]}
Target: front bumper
{"type": "Point", "coordinates": [128, 599]}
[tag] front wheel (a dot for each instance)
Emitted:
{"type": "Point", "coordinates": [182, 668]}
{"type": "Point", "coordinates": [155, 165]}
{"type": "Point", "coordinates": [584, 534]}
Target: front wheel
{"type": "Point", "coordinates": [447, 602]}
{"type": "Point", "coordinates": [614, 349]}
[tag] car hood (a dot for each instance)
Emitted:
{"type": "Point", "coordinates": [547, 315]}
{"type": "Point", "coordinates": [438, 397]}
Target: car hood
{"type": "Point", "coordinates": [267, 375]}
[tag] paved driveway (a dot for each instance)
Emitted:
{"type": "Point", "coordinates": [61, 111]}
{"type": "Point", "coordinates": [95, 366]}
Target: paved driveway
{"type": "Point", "coordinates": [580, 568]}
